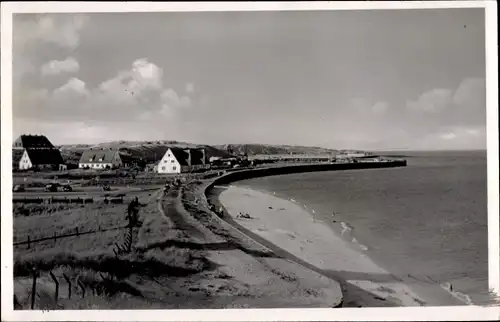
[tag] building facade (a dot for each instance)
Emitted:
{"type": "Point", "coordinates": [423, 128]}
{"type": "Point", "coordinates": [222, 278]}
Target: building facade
{"type": "Point", "coordinates": [41, 159]}
{"type": "Point", "coordinates": [36, 152]}
{"type": "Point", "coordinates": [179, 160]}
{"type": "Point", "coordinates": [100, 158]}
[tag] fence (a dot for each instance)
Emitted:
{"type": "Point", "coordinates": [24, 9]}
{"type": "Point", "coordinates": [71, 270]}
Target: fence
{"type": "Point", "coordinates": [66, 200]}
{"type": "Point", "coordinates": [55, 237]}
{"type": "Point", "coordinates": [97, 289]}
{"type": "Point", "coordinates": [50, 200]}
{"type": "Point", "coordinates": [73, 285]}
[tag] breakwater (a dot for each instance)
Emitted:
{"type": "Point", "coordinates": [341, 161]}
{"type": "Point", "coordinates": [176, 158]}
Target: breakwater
{"type": "Point", "coordinates": [290, 169]}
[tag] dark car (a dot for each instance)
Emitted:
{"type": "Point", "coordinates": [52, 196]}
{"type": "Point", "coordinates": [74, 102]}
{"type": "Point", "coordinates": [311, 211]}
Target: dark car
{"type": "Point", "coordinates": [52, 187]}
{"type": "Point", "coordinates": [67, 188]}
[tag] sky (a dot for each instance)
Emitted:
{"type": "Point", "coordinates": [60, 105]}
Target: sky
{"type": "Point", "coordinates": [375, 80]}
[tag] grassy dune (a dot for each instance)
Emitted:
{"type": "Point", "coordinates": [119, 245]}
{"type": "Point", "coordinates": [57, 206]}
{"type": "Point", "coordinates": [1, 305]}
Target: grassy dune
{"type": "Point", "coordinates": [108, 279]}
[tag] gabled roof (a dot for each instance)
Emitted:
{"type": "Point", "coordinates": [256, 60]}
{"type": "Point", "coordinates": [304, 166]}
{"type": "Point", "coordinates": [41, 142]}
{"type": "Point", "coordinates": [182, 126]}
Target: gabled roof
{"type": "Point", "coordinates": [98, 155]}
{"type": "Point", "coordinates": [34, 141]}
{"type": "Point", "coordinates": [182, 156]}
{"type": "Point", "coordinates": [197, 156]}
{"type": "Point", "coordinates": [45, 156]}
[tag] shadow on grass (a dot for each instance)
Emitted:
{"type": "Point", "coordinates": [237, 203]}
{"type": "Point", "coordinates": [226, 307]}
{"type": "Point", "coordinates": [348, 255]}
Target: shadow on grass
{"type": "Point", "coordinates": [205, 247]}
{"type": "Point", "coordinates": [176, 263]}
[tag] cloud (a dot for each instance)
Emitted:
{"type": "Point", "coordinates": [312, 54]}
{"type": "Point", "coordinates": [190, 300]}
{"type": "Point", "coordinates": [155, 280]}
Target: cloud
{"type": "Point", "coordinates": [36, 36]}
{"type": "Point", "coordinates": [74, 86]}
{"type": "Point", "coordinates": [380, 107]}
{"type": "Point", "coordinates": [189, 88]}
{"type": "Point", "coordinates": [471, 93]}
{"type": "Point", "coordinates": [469, 96]}
{"type": "Point", "coordinates": [435, 100]}
{"type": "Point", "coordinates": [365, 106]}
{"type": "Point", "coordinates": [62, 30]}
{"type": "Point", "coordinates": [134, 94]}
{"type": "Point", "coordinates": [448, 136]}
{"type": "Point", "coordinates": [55, 67]}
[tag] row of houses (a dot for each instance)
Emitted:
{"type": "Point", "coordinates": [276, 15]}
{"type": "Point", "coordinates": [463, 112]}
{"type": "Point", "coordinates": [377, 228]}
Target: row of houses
{"type": "Point", "coordinates": [37, 152]}
{"type": "Point", "coordinates": [175, 160]}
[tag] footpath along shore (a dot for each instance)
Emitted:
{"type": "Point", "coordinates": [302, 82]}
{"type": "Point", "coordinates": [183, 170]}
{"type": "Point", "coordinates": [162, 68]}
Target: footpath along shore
{"type": "Point", "coordinates": [289, 230]}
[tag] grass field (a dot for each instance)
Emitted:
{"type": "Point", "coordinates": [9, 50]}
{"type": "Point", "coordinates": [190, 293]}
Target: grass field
{"type": "Point", "coordinates": [90, 259]}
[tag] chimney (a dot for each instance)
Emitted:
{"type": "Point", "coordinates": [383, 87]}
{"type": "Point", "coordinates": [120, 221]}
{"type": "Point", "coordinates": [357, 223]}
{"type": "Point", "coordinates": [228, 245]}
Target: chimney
{"type": "Point", "coordinates": [188, 151]}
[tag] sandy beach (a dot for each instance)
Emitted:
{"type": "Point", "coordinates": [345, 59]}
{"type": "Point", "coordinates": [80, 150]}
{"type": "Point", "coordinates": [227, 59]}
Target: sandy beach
{"type": "Point", "coordinates": [292, 229]}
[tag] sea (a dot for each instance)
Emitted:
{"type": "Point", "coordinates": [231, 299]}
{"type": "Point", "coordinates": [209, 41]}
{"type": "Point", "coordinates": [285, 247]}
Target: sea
{"type": "Point", "coordinates": [427, 221]}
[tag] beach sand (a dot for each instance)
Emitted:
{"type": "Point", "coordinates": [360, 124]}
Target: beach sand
{"type": "Point", "coordinates": [288, 228]}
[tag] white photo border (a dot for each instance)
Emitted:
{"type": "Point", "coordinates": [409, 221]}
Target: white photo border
{"type": "Point", "coordinates": [460, 313]}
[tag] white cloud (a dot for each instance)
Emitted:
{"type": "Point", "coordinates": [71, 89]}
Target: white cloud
{"type": "Point", "coordinates": [448, 136]}
{"type": "Point", "coordinates": [471, 94]}
{"type": "Point", "coordinates": [473, 132]}
{"type": "Point", "coordinates": [55, 67]}
{"type": "Point", "coordinates": [189, 88]}
{"type": "Point", "coordinates": [469, 99]}
{"type": "Point", "coordinates": [142, 77]}
{"type": "Point", "coordinates": [62, 30]}
{"type": "Point", "coordinates": [134, 94]}
{"type": "Point", "coordinates": [367, 107]}
{"type": "Point", "coordinates": [435, 100]}
{"type": "Point", "coordinates": [380, 107]}
{"type": "Point", "coordinates": [74, 86]}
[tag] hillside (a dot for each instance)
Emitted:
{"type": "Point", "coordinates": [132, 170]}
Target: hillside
{"type": "Point", "coordinates": [253, 149]}
{"type": "Point", "coordinates": [150, 151]}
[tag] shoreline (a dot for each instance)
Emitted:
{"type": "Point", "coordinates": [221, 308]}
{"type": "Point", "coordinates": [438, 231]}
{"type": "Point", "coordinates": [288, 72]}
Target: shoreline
{"type": "Point", "coordinates": [297, 232]}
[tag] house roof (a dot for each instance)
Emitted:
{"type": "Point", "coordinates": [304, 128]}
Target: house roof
{"type": "Point", "coordinates": [34, 141]}
{"type": "Point", "coordinates": [100, 155]}
{"type": "Point", "coordinates": [197, 156]}
{"type": "Point", "coordinates": [45, 156]}
{"type": "Point", "coordinates": [182, 156]}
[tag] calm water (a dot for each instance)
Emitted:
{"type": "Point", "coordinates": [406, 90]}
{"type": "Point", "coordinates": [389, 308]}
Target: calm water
{"type": "Point", "coordinates": [428, 219]}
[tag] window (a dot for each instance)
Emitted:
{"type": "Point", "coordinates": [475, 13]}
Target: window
{"type": "Point", "coordinates": [174, 168]}
{"type": "Point", "coordinates": [173, 161]}
{"type": "Point", "coordinates": [163, 168]}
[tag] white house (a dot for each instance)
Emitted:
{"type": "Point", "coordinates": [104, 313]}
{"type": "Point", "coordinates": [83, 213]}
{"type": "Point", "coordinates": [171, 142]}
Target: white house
{"type": "Point", "coordinates": [100, 158]}
{"type": "Point", "coordinates": [179, 160]}
{"type": "Point", "coordinates": [43, 158]}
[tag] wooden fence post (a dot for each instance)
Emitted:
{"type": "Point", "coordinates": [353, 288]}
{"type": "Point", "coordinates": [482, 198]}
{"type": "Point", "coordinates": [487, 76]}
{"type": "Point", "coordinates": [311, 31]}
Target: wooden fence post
{"type": "Point", "coordinates": [33, 289]}
{"type": "Point", "coordinates": [129, 240]}
{"type": "Point", "coordinates": [28, 242]}
{"type": "Point", "coordinates": [56, 295]}
{"type": "Point", "coordinates": [82, 288]}
{"type": "Point", "coordinates": [77, 233]}
{"type": "Point", "coordinates": [69, 285]}
{"type": "Point", "coordinates": [55, 237]}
